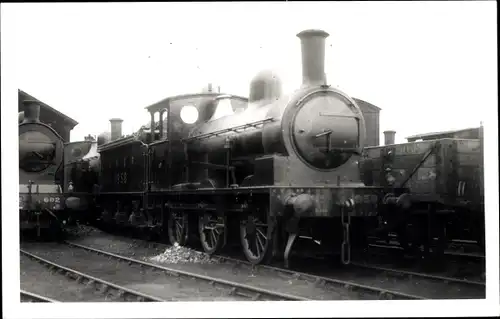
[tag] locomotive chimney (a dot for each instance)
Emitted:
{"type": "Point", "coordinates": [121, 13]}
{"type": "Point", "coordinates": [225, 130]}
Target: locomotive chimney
{"type": "Point", "coordinates": [389, 137]}
{"type": "Point", "coordinates": [313, 56]}
{"type": "Point", "coordinates": [31, 111]}
{"type": "Point", "coordinates": [116, 128]}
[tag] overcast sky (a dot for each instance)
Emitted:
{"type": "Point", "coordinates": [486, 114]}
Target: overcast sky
{"type": "Point", "coordinates": [429, 65]}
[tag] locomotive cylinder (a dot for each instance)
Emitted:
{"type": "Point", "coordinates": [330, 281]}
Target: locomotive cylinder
{"type": "Point", "coordinates": [31, 111]}
{"type": "Point", "coordinates": [116, 128]}
{"type": "Point", "coordinates": [389, 137]}
{"type": "Point", "coordinates": [313, 56]}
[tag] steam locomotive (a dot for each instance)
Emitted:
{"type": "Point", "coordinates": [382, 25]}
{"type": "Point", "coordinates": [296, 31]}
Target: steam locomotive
{"type": "Point", "coordinates": [81, 177]}
{"type": "Point", "coordinates": [270, 172]}
{"type": "Point", "coordinates": [44, 205]}
{"type": "Point", "coordinates": [41, 200]}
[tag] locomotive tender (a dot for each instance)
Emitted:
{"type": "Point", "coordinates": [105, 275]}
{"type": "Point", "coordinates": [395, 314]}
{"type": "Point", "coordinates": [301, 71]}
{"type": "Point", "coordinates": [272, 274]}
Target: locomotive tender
{"type": "Point", "coordinates": [268, 169]}
{"type": "Point", "coordinates": [42, 203]}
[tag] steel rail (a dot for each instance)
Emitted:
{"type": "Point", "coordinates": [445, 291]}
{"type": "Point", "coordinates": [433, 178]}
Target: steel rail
{"type": "Point", "coordinates": [243, 290]}
{"type": "Point", "coordinates": [82, 278]}
{"type": "Point", "coordinates": [317, 279]}
{"type": "Point", "coordinates": [32, 297]}
{"type": "Point", "coordinates": [413, 274]}
{"type": "Point", "coordinates": [447, 252]}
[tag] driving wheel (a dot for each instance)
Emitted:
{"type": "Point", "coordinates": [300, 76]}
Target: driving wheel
{"type": "Point", "coordinates": [213, 229]}
{"type": "Point", "coordinates": [257, 238]}
{"type": "Point", "coordinates": [178, 228]}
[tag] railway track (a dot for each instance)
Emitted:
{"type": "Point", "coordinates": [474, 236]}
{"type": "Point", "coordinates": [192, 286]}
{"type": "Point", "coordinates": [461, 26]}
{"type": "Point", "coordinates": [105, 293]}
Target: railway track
{"type": "Point", "coordinates": [363, 289]}
{"type": "Point", "coordinates": [105, 287]}
{"type": "Point", "coordinates": [27, 296]}
{"type": "Point", "coordinates": [456, 247]}
{"type": "Point", "coordinates": [176, 279]}
{"type": "Point", "coordinates": [235, 288]}
{"type": "Point", "coordinates": [388, 287]}
{"type": "Point", "coordinates": [456, 267]}
{"type": "Point", "coordinates": [456, 288]}
{"type": "Point", "coordinates": [382, 283]}
{"type": "Point", "coordinates": [413, 274]}
{"type": "Point", "coordinates": [450, 253]}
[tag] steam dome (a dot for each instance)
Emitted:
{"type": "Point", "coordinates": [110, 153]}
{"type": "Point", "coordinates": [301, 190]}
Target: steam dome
{"type": "Point", "coordinates": [103, 138]}
{"type": "Point", "coordinates": [266, 85]}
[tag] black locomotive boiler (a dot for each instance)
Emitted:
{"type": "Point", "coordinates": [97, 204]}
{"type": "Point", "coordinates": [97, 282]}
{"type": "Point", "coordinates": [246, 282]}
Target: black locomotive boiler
{"type": "Point", "coordinates": [42, 203]}
{"type": "Point", "coordinates": [267, 170]}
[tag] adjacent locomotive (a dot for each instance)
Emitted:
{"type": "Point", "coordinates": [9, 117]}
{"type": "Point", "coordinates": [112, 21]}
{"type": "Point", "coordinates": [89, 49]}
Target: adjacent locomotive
{"type": "Point", "coordinates": [41, 199]}
{"type": "Point", "coordinates": [266, 170]}
{"type": "Point", "coordinates": [81, 174]}
{"type": "Point", "coordinates": [44, 202]}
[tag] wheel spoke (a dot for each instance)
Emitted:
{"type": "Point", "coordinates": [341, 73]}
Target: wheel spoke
{"type": "Point", "coordinates": [214, 238]}
{"type": "Point", "coordinates": [259, 241]}
{"type": "Point", "coordinates": [178, 224]}
{"type": "Point", "coordinates": [259, 232]}
{"type": "Point", "coordinates": [178, 232]}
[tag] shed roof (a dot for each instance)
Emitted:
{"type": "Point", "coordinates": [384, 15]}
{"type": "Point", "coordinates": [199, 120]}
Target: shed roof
{"type": "Point", "coordinates": [25, 96]}
{"type": "Point", "coordinates": [439, 134]}
{"type": "Point", "coordinates": [367, 104]}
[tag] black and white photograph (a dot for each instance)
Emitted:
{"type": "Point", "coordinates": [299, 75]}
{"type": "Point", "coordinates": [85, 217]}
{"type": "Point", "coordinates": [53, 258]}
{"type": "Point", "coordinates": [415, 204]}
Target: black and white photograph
{"type": "Point", "coordinates": [216, 159]}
